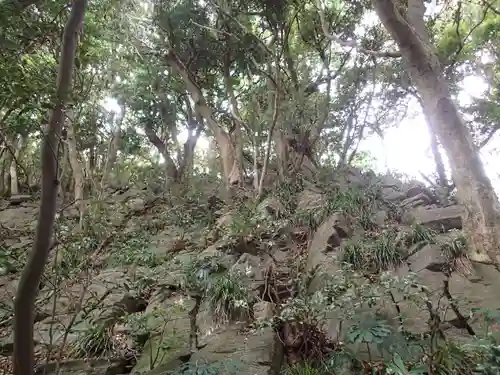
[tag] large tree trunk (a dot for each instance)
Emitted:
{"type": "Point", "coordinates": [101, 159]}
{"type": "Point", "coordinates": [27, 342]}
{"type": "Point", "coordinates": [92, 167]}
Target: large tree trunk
{"type": "Point", "coordinates": [229, 151]}
{"type": "Point", "coordinates": [24, 304]}
{"type": "Point", "coordinates": [14, 180]}
{"type": "Point", "coordinates": [76, 164]}
{"type": "Point", "coordinates": [474, 189]}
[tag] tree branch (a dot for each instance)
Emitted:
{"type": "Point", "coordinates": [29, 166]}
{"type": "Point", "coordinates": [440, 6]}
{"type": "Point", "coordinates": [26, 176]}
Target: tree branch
{"type": "Point", "coordinates": [352, 43]}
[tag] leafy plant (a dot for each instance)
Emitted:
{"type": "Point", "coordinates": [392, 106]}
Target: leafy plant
{"type": "Point", "coordinates": [369, 332]}
{"type": "Point", "coordinates": [304, 368]}
{"type": "Point", "coordinates": [93, 341]}
{"type": "Point", "coordinates": [421, 234]}
{"type": "Point", "coordinates": [397, 367]}
{"type": "Point", "coordinates": [353, 254]}
{"type": "Point", "coordinates": [228, 298]}
{"type": "Point", "coordinates": [386, 252]}
{"type": "Point", "coordinates": [135, 251]}
{"type": "Point", "coordinates": [491, 363]}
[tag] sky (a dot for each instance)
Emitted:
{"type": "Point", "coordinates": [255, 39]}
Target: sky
{"type": "Point", "coordinates": [406, 148]}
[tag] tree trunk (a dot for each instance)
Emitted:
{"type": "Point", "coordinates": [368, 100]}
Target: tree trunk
{"type": "Point", "coordinates": [231, 161]}
{"type": "Point", "coordinates": [474, 189]}
{"type": "Point", "coordinates": [171, 172]}
{"type": "Point", "coordinates": [3, 189]}
{"type": "Point", "coordinates": [24, 304]}
{"type": "Point", "coordinates": [76, 164]}
{"type": "Point", "coordinates": [14, 180]}
{"type": "Point", "coordinates": [63, 172]}
{"type": "Point", "coordinates": [114, 146]}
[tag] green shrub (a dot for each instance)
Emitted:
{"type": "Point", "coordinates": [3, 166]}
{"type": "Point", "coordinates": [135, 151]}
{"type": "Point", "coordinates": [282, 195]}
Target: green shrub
{"type": "Point", "coordinates": [94, 341]}
{"type": "Point", "coordinates": [386, 251]}
{"type": "Point", "coordinates": [229, 299]}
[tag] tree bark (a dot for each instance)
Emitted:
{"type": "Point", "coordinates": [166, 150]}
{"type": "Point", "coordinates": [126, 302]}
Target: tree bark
{"type": "Point", "coordinates": [114, 146]}
{"type": "Point", "coordinates": [228, 151]}
{"type": "Point", "coordinates": [14, 180]}
{"type": "Point", "coordinates": [474, 189]}
{"type": "Point", "coordinates": [76, 164]}
{"type": "Point", "coordinates": [24, 305]}
{"type": "Point", "coordinates": [3, 154]}
{"type": "Point", "coordinates": [170, 168]}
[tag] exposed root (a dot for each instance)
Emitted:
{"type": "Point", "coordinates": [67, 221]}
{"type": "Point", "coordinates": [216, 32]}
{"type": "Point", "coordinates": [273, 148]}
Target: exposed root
{"type": "Point", "coordinates": [304, 342]}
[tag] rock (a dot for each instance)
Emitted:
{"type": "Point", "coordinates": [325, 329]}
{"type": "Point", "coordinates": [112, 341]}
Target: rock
{"type": "Point", "coordinates": [83, 367]}
{"type": "Point", "coordinates": [414, 188]}
{"type": "Point", "coordinates": [380, 217]}
{"type": "Point", "coordinates": [354, 177]}
{"type": "Point", "coordinates": [327, 237]}
{"type": "Point", "coordinates": [420, 199]}
{"type": "Point", "coordinates": [390, 181]}
{"type": "Point", "coordinates": [225, 221]}
{"type": "Point", "coordinates": [169, 325]}
{"type": "Point", "coordinates": [250, 266]}
{"type": "Point", "coordinates": [480, 295]}
{"type": "Point", "coordinates": [263, 310]}
{"type": "Point", "coordinates": [310, 200]}
{"type": "Point", "coordinates": [18, 199]}
{"type": "Point", "coordinates": [252, 354]}
{"type": "Point", "coordinates": [441, 218]}
{"type": "Point", "coordinates": [429, 257]}
{"type": "Point", "coordinates": [271, 207]}
{"type": "Point", "coordinates": [20, 217]}
{"type": "Point", "coordinates": [136, 204]}
{"type": "Point", "coordinates": [321, 256]}
{"type": "Point", "coordinates": [391, 194]}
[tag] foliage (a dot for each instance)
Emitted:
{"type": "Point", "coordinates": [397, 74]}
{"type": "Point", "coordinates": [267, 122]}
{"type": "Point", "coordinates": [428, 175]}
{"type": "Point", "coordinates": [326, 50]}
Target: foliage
{"type": "Point", "coordinates": [93, 341]}
{"type": "Point", "coordinates": [383, 252]}
{"type": "Point", "coordinates": [229, 299]}
{"type": "Point", "coordinates": [135, 250]}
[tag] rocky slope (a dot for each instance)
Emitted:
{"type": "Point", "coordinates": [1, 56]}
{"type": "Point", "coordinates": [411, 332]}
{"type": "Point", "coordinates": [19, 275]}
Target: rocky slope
{"type": "Point", "coordinates": [151, 284]}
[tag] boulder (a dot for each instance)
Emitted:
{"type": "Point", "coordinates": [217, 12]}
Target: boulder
{"type": "Point", "coordinates": [440, 218]}
{"type": "Point", "coordinates": [136, 204]}
{"type": "Point", "coordinates": [428, 257]}
{"type": "Point", "coordinates": [390, 181]}
{"type": "Point", "coordinates": [271, 208]}
{"type": "Point", "coordinates": [83, 367]}
{"type": "Point", "coordinates": [380, 217]}
{"type": "Point", "coordinates": [391, 194]}
{"type": "Point", "coordinates": [19, 198]}
{"type": "Point", "coordinates": [169, 344]}
{"type": "Point", "coordinates": [250, 353]}
{"type": "Point", "coordinates": [327, 237]}
{"type": "Point", "coordinates": [420, 199]}
{"type": "Point", "coordinates": [310, 200]}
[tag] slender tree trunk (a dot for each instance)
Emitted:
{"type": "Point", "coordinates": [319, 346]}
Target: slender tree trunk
{"type": "Point", "coordinates": [474, 189]}
{"type": "Point", "coordinates": [2, 171]}
{"type": "Point", "coordinates": [171, 172]}
{"type": "Point", "coordinates": [76, 164]}
{"type": "Point", "coordinates": [114, 146]}
{"type": "Point", "coordinates": [14, 180]}
{"type": "Point", "coordinates": [24, 304]}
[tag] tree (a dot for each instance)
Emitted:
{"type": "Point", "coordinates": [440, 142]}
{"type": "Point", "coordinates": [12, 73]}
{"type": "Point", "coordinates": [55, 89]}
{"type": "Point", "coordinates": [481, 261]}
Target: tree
{"type": "Point", "coordinates": [474, 189]}
{"type": "Point", "coordinates": [23, 357]}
